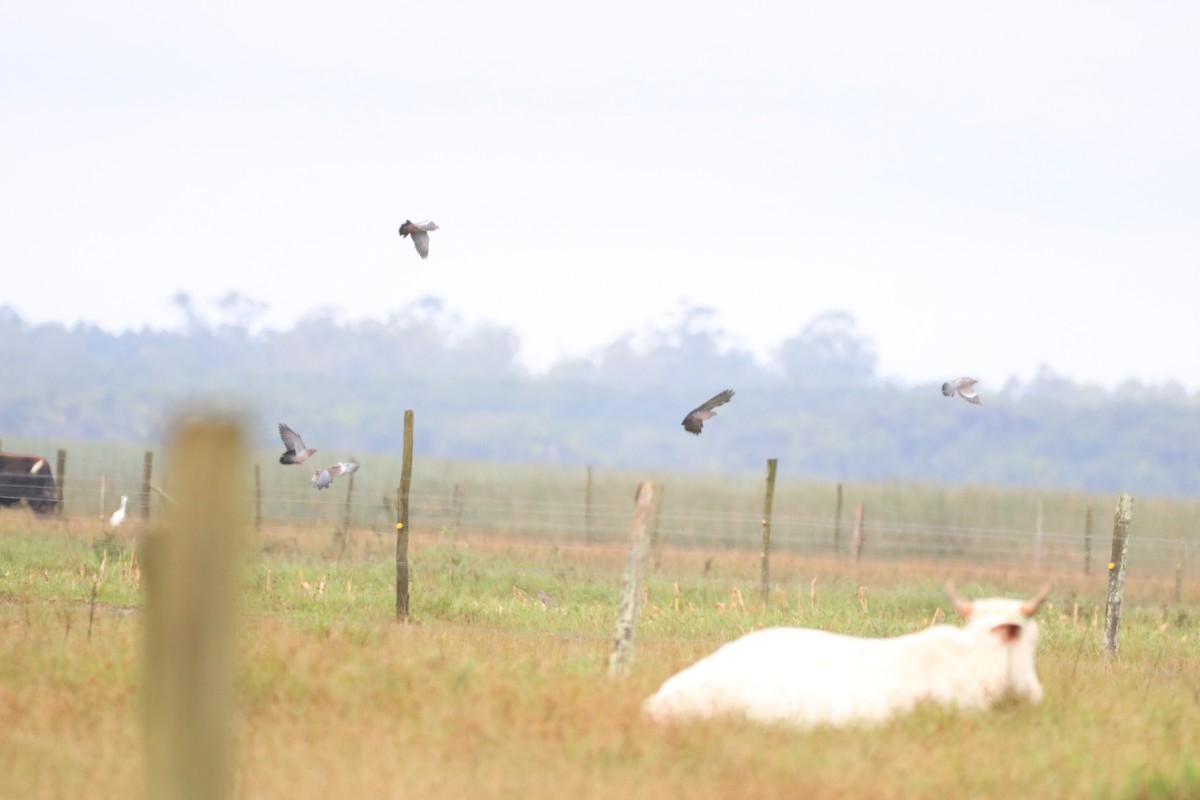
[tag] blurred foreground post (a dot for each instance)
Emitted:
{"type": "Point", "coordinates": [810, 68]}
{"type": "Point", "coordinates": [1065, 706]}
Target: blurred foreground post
{"type": "Point", "coordinates": [621, 657]}
{"type": "Point", "coordinates": [766, 532]}
{"type": "Point", "coordinates": [402, 521]}
{"type": "Point", "coordinates": [190, 583]}
{"type": "Point", "coordinates": [147, 467]}
{"type": "Point", "coordinates": [1116, 573]}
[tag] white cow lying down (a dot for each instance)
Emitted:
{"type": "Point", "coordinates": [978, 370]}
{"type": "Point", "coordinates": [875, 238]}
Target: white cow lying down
{"type": "Point", "coordinates": [802, 676]}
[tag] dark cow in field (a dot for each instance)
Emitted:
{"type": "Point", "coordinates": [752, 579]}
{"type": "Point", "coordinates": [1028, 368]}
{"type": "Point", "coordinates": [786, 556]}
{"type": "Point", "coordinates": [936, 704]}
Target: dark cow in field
{"type": "Point", "coordinates": [27, 478]}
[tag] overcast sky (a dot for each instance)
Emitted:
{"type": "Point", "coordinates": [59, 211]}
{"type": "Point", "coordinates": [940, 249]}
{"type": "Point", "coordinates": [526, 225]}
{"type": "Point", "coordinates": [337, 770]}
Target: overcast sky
{"type": "Point", "coordinates": [985, 187]}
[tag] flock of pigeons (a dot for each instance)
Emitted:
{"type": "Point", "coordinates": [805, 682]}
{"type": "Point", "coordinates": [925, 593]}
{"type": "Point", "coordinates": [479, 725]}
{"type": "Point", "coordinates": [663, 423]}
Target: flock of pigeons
{"type": "Point", "coordinates": [297, 453]}
{"type": "Point", "coordinates": [322, 479]}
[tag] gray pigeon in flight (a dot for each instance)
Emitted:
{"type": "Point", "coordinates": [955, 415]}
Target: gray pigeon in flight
{"type": "Point", "coordinates": [420, 234]}
{"type": "Point", "coordinates": [694, 421]}
{"type": "Point", "coordinates": [964, 388]}
{"type": "Point", "coordinates": [296, 452]}
{"type": "Point", "coordinates": [323, 478]}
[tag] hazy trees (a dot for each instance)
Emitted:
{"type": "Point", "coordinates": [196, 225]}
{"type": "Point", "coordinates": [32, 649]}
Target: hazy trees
{"type": "Point", "coordinates": [618, 406]}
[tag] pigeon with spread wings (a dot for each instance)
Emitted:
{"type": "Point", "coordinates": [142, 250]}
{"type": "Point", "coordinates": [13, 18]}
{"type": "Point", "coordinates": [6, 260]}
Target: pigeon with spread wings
{"type": "Point", "coordinates": [323, 478]}
{"type": "Point", "coordinates": [694, 421]}
{"type": "Point", "coordinates": [420, 234]}
{"type": "Point", "coordinates": [296, 452]}
{"type": "Point", "coordinates": [964, 388]}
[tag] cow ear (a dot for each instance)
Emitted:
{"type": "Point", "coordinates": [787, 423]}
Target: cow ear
{"type": "Point", "coordinates": [1006, 631]}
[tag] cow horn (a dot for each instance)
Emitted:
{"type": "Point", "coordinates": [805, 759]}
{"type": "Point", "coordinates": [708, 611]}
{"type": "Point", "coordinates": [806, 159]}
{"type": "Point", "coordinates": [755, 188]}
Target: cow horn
{"type": "Point", "coordinates": [961, 606]}
{"type": "Point", "coordinates": [1031, 607]}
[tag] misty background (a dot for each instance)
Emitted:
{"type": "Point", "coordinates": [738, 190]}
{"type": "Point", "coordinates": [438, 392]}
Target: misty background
{"type": "Point", "coordinates": [818, 403]}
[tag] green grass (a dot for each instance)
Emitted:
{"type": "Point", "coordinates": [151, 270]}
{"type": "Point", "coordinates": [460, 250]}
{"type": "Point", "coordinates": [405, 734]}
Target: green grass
{"type": "Point", "coordinates": [489, 695]}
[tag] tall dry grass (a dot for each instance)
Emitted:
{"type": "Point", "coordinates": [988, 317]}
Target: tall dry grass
{"type": "Point", "coordinates": [490, 695]}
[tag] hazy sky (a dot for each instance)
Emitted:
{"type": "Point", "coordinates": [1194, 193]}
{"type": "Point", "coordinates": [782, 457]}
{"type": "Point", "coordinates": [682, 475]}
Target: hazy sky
{"type": "Point", "coordinates": [986, 187]}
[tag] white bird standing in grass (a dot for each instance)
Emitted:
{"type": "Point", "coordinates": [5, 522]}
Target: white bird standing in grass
{"type": "Point", "coordinates": [118, 516]}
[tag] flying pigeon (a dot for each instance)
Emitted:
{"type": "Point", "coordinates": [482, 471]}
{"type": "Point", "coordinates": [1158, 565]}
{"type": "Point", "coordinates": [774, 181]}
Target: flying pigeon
{"type": "Point", "coordinates": [963, 387]}
{"type": "Point", "coordinates": [118, 516]}
{"type": "Point", "coordinates": [344, 468]}
{"type": "Point", "coordinates": [321, 479]}
{"type": "Point", "coordinates": [694, 421]}
{"type": "Point", "coordinates": [420, 234]}
{"type": "Point", "coordinates": [296, 452]}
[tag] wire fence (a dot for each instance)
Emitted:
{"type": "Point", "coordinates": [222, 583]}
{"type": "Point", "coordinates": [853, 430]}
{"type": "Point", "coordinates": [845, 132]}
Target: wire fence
{"type": "Point", "coordinates": [485, 504]}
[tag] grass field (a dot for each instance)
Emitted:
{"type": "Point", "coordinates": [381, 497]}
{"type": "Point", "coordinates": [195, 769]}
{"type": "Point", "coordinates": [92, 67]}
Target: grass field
{"type": "Point", "coordinates": [489, 695]}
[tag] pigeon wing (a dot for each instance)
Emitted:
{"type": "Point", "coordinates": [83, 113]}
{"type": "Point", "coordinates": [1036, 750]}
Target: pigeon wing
{"type": "Point", "coordinates": [421, 241]}
{"type": "Point", "coordinates": [291, 439]}
{"type": "Point", "coordinates": [694, 421]}
{"type": "Point", "coordinates": [716, 400]}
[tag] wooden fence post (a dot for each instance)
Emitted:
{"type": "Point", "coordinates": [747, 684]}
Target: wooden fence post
{"type": "Point", "coordinates": [621, 657]}
{"type": "Point", "coordinates": [1087, 543]}
{"type": "Point", "coordinates": [402, 520]}
{"type": "Point", "coordinates": [1037, 537]}
{"type": "Point", "coordinates": [257, 500]}
{"type": "Point", "coordinates": [1179, 579]}
{"type": "Point", "coordinates": [587, 508]}
{"type": "Point", "coordinates": [61, 476]}
{"type": "Point", "coordinates": [1116, 573]}
{"type": "Point", "coordinates": [147, 466]}
{"type": "Point", "coordinates": [859, 535]}
{"type": "Point", "coordinates": [766, 533]}
{"type": "Point", "coordinates": [346, 514]}
{"type": "Point", "coordinates": [656, 542]}
{"type": "Point", "coordinates": [190, 581]}
{"type": "Point", "coordinates": [458, 504]}
{"type": "Point", "coordinates": [837, 523]}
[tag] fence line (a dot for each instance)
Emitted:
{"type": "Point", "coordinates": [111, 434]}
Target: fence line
{"type": "Point", "coordinates": [285, 502]}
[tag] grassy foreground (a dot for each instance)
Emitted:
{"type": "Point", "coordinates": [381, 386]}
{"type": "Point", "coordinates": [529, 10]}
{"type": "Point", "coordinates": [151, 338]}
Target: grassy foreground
{"type": "Point", "coordinates": [490, 695]}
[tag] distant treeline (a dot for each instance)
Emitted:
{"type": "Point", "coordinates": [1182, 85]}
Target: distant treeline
{"type": "Point", "coordinates": [818, 405]}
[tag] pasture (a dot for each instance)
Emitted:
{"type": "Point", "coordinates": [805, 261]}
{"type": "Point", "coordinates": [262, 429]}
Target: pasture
{"type": "Point", "coordinates": [488, 694]}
